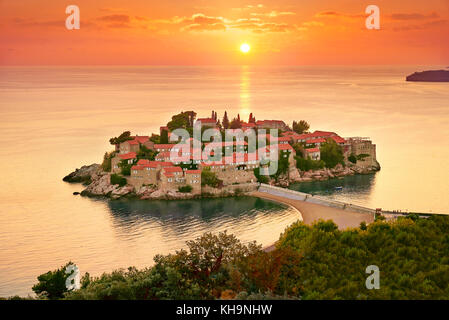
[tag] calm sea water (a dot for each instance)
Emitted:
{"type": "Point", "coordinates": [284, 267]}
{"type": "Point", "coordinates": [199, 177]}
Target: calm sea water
{"type": "Point", "coordinates": [54, 119]}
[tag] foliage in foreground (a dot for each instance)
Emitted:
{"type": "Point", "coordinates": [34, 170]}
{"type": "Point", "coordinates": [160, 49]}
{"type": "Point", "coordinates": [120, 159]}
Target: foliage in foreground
{"type": "Point", "coordinates": [411, 253]}
{"type": "Point", "coordinates": [311, 262]}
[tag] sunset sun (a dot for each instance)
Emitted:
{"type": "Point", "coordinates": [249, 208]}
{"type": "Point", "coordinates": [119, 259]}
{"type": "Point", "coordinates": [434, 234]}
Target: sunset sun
{"type": "Point", "coordinates": [245, 48]}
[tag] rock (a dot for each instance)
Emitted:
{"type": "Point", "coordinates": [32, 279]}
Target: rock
{"type": "Point", "coordinates": [157, 194]}
{"type": "Point", "coordinates": [76, 193]}
{"type": "Point", "coordinates": [83, 174]}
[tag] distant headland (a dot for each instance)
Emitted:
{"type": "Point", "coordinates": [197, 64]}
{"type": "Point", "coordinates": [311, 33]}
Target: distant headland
{"type": "Point", "coordinates": [430, 76]}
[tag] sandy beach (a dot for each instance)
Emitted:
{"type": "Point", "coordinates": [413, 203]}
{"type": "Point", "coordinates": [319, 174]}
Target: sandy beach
{"type": "Point", "coordinates": [310, 212]}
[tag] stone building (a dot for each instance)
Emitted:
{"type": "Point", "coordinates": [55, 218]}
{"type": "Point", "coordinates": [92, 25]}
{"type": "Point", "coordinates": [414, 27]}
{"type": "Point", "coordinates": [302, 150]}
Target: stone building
{"type": "Point", "coordinates": [130, 157]}
{"type": "Point", "coordinates": [364, 148]}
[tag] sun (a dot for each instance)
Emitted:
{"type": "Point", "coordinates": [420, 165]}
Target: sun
{"type": "Point", "coordinates": [245, 48]}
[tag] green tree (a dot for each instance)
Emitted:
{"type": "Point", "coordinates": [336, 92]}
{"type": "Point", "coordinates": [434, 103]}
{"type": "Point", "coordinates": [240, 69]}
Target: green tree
{"type": "Point", "coordinates": [146, 153]}
{"type": "Point", "coordinates": [225, 121]}
{"type": "Point", "coordinates": [125, 167]}
{"type": "Point", "coordinates": [185, 189]}
{"type": "Point", "coordinates": [52, 284]}
{"type": "Point", "coordinates": [106, 164]}
{"type": "Point", "coordinates": [121, 138]}
{"type": "Point", "coordinates": [209, 178]}
{"type": "Point", "coordinates": [260, 178]}
{"type": "Point", "coordinates": [235, 123]}
{"type": "Point", "coordinates": [331, 153]}
{"type": "Point", "coordinates": [181, 120]}
{"type": "Point", "coordinates": [116, 179]}
{"type": "Point", "coordinates": [301, 126]}
{"type": "Point", "coordinates": [164, 137]}
{"type": "Point", "coordinates": [352, 158]}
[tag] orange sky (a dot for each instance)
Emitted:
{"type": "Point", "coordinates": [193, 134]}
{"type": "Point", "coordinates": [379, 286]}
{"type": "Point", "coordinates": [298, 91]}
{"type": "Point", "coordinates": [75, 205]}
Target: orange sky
{"type": "Point", "coordinates": [208, 32]}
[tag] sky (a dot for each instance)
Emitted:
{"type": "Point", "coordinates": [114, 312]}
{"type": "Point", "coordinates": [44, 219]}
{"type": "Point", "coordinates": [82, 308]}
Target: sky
{"type": "Point", "coordinates": [208, 32]}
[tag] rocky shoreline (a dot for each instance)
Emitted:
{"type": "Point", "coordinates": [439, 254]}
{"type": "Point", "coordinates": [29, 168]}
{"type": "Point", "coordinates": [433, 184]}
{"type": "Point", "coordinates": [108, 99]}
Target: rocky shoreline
{"type": "Point", "coordinates": [340, 171]}
{"type": "Point", "coordinates": [98, 183]}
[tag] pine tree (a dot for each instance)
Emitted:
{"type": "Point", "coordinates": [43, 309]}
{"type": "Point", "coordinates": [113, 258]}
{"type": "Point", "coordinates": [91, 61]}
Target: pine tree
{"type": "Point", "coordinates": [251, 118]}
{"type": "Point", "coordinates": [225, 121]}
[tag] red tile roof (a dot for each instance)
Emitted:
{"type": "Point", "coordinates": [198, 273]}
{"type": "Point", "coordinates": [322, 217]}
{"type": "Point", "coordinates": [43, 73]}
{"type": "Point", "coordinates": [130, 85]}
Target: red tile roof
{"type": "Point", "coordinates": [169, 175]}
{"type": "Point", "coordinates": [319, 140]}
{"type": "Point", "coordinates": [141, 139]}
{"type": "Point", "coordinates": [163, 154]}
{"type": "Point", "coordinates": [318, 133]}
{"type": "Point", "coordinates": [128, 156]}
{"type": "Point", "coordinates": [268, 122]}
{"type": "Point", "coordinates": [193, 171]}
{"type": "Point", "coordinates": [172, 169]}
{"type": "Point", "coordinates": [164, 146]}
{"type": "Point", "coordinates": [311, 150]}
{"type": "Point", "coordinates": [207, 120]}
{"type": "Point", "coordinates": [143, 161]}
{"type": "Point", "coordinates": [283, 147]}
{"type": "Point", "coordinates": [137, 168]}
{"type": "Point", "coordinates": [284, 139]}
{"type": "Point", "coordinates": [338, 139]}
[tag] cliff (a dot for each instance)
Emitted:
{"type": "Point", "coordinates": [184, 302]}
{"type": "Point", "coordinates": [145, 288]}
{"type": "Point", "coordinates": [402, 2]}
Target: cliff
{"type": "Point", "coordinates": [430, 76]}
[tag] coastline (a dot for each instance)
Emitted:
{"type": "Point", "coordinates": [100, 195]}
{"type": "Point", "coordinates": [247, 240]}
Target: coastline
{"type": "Point", "coordinates": [311, 212]}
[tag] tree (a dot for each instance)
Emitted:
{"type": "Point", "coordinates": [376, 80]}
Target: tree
{"type": "Point", "coordinates": [52, 284]}
{"type": "Point", "coordinates": [116, 179]}
{"type": "Point", "coordinates": [121, 138]}
{"type": "Point", "coordinates": [225, 121]}
{"type": "Point", "coordinates": [155, 138]}
{"type": "Point", "coordinates": [209, 178]}
{"type": "Point", "coordinates": [299, 149]}
{"type": "Point", "coordinates": [235, 123]}
{"type": "Point", "coordinates": [331, 153]}
{"type": "Point", "coordinates": [181, 120]}
{"type": "Point", "coordinates": [146, 153]}
{"type": "Point", "coordinates": [106, 165]}
{"type": "Point", "coordinates": [352, 158]}
{"type": "Point", "coordinates": [164, 137]}
{"type": "Point", "coordinates": [301, 126]}
{"type": "Point", "coordinates": [251, 118]}
{"type": "Point", "coordinates": [125, 167]}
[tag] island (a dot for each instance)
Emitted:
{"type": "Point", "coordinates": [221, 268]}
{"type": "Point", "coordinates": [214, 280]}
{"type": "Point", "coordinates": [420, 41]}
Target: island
{"type": "Point", "coordinates": [430, 76]}
{"type": "Point", "coordinates": [167, 166]}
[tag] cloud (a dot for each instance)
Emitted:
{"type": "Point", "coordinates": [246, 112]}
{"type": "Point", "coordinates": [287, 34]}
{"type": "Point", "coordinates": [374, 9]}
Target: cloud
{"type": "Point", "coordinates": [117, 18]}
{"type": "Point", "coordinates": [335, 14]}
{"type": "Point", "coordinates": [263, 27]}
{"type": "Point", "coordinates": [273, 14]}
{"type": "Point", "coordinates": [414, 16]}
{"type": "Point", "coordinates": [427, 25]}
{"type": "Point", "coordinates": [313, 24]}
{"type": "Point", "coordinates": [201, 22]}
{"type": "Point", "coordinates": [204, 27]}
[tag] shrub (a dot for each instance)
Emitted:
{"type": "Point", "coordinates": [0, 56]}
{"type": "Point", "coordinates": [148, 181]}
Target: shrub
{"type": "Point", "coordinates": [52, 284]}
{"type": "Point", "coordinates": [125, 167]}
{"type": "Point", "coordinates": [260, 178]}
{"type": "Point", "coordinates": [185, 189]}
{"type": "Point", "coordinates": [209, 178]}
{"type": "Point", "coordinates": [352, 158]}
{"type": "Point", "coordinates": [331, 153]}
{"type": "Point", "coordinates": [308, 164]}
{"type": "Point", "coordinates": [116, 179]}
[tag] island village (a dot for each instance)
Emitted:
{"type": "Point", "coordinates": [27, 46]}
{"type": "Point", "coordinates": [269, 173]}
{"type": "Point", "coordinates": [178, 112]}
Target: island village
{"type": "Point", "coordinates": [144, 166]}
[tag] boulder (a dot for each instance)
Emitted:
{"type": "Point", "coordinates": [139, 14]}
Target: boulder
{"type": "Point", "coordinates": [83, 174]}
